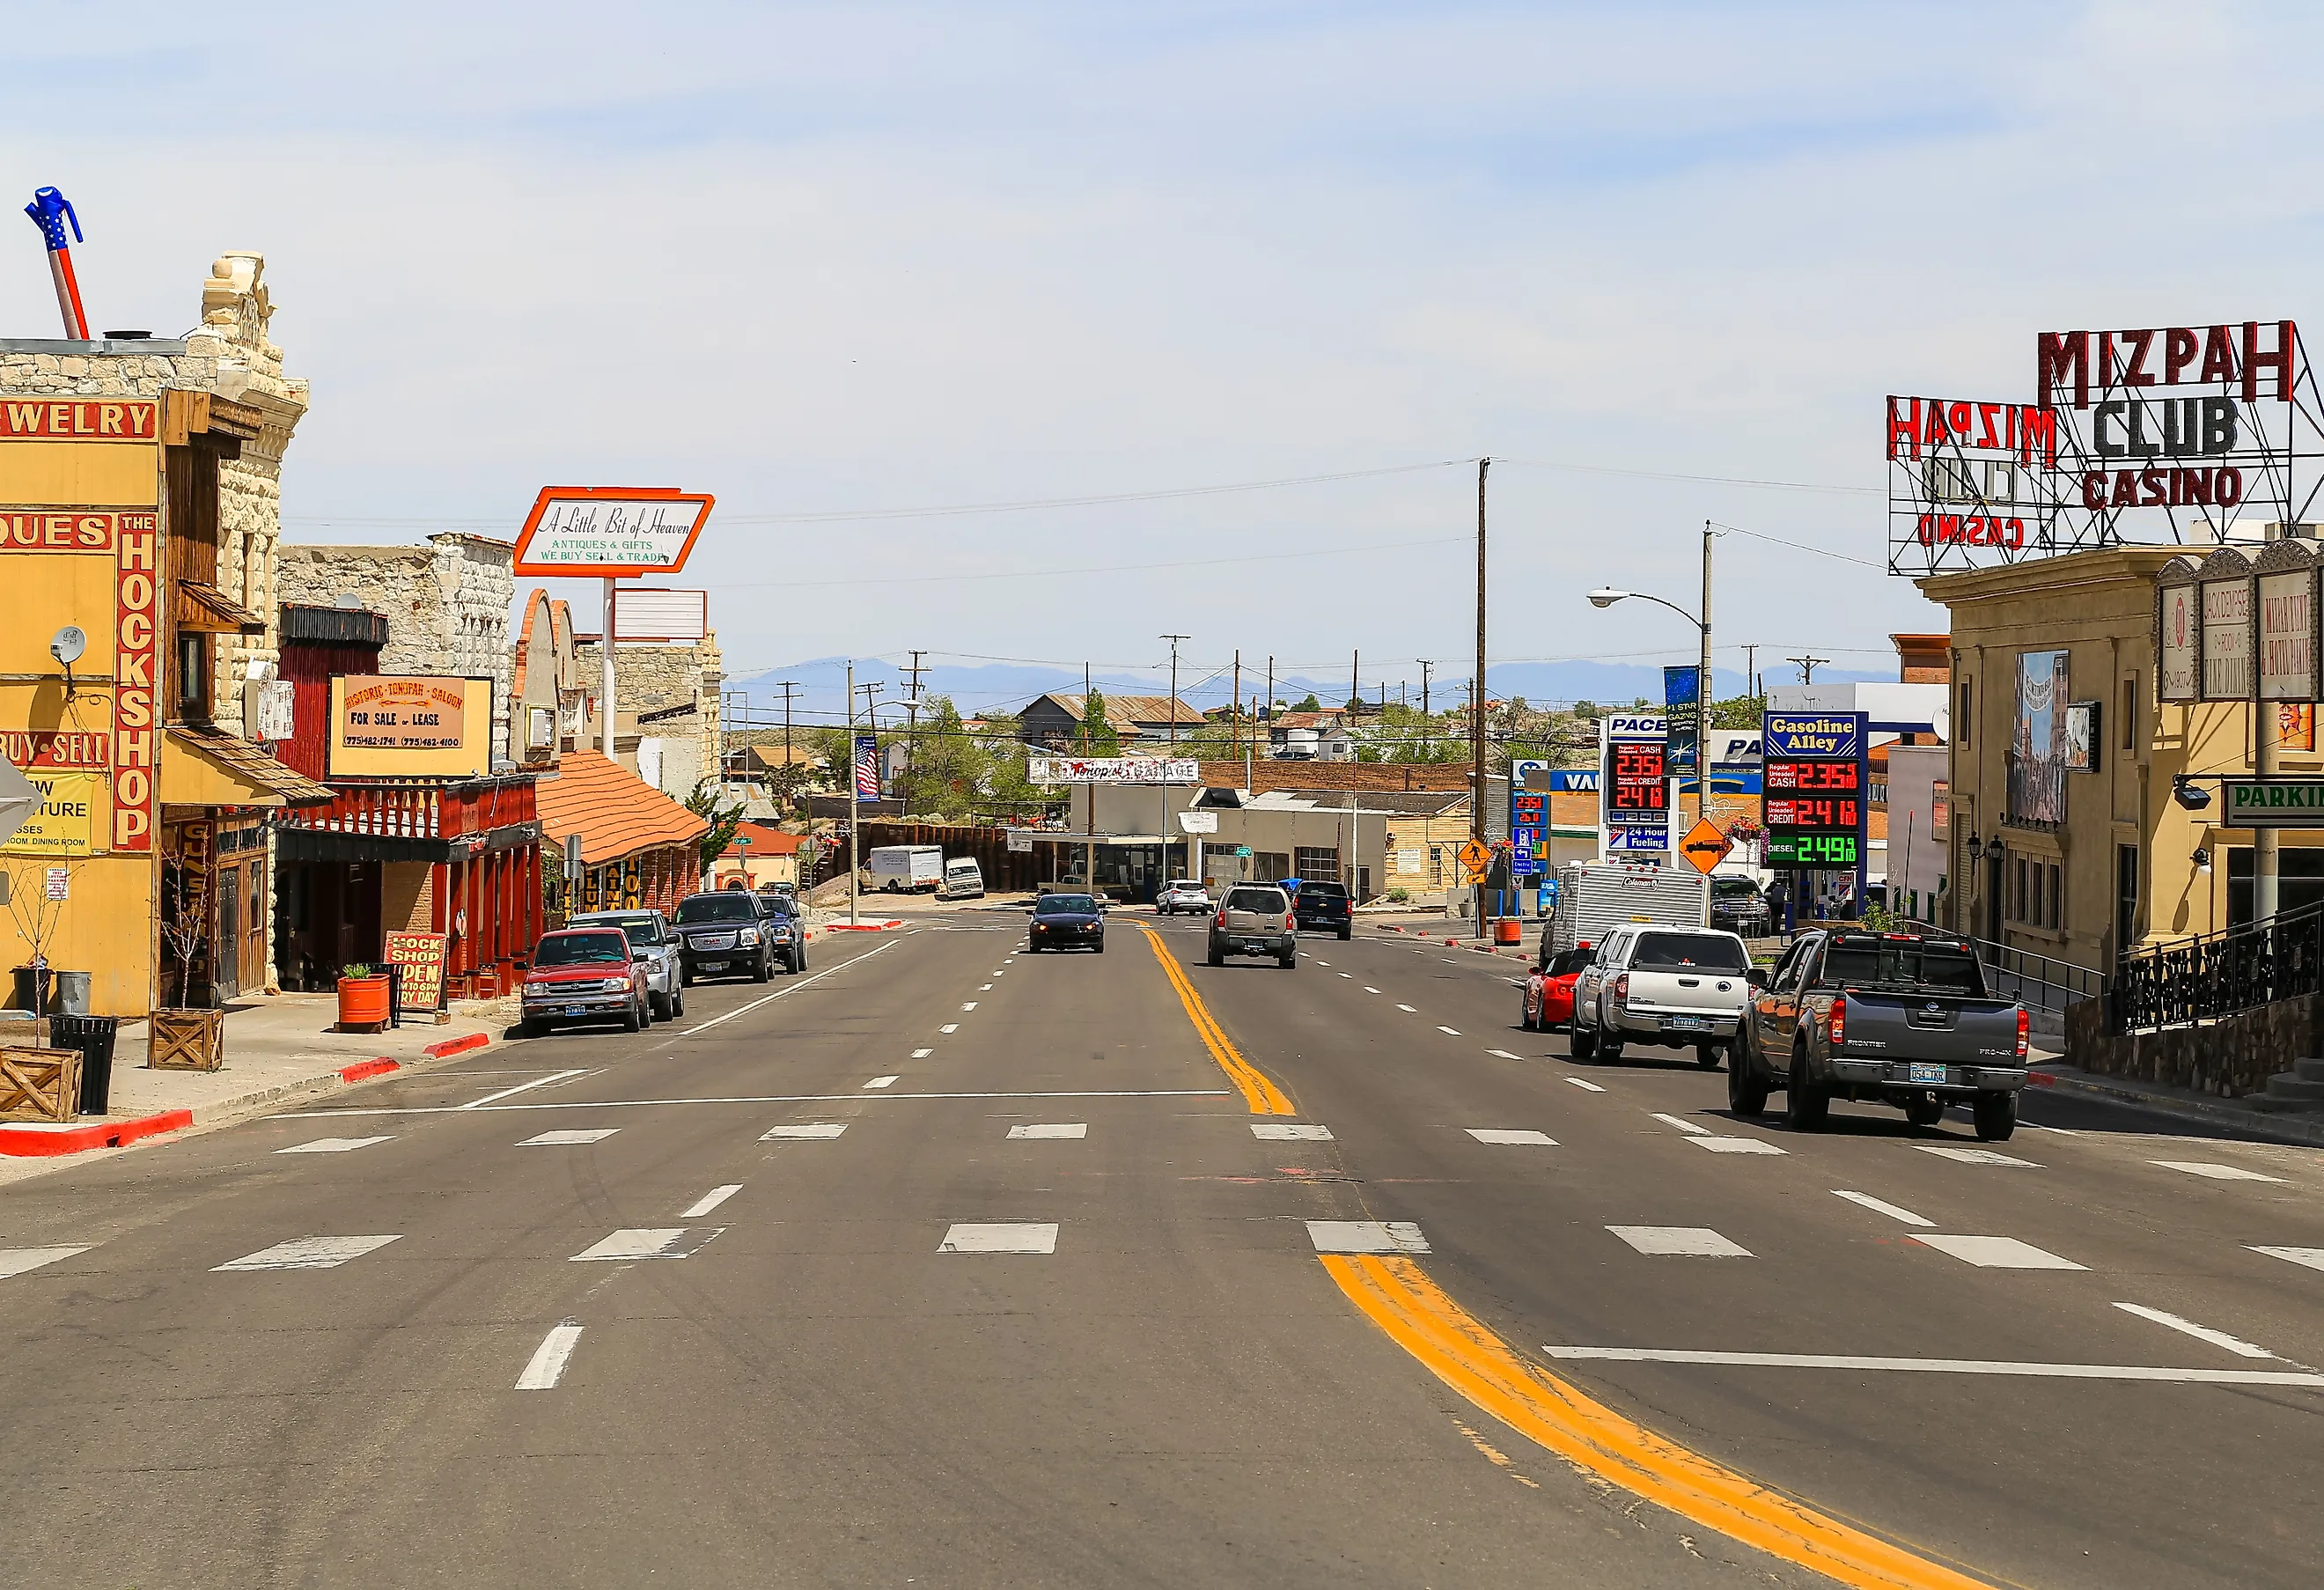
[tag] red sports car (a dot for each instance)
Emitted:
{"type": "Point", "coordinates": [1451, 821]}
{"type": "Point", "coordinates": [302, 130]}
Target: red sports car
{"type": "Point", "coordinates": [1549, 988]}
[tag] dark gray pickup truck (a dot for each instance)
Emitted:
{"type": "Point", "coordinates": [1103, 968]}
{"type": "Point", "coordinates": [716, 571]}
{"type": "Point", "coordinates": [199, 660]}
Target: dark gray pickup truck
{"type": "Point", "coordinates": [1900, 1018]}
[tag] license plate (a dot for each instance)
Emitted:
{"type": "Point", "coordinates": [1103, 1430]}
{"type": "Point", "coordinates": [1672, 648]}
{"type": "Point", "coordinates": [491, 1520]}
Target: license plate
{"type": "Point", "coordinates": [1931, 1076]}
{"type": "Point", "coordinates": [710, 966]}
{"type": "Point", "coordinates": [1685, 1024]}
{"type": "Point", "coordinates": [576, 1010]}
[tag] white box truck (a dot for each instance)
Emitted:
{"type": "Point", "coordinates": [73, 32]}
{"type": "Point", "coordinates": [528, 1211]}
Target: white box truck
{"type": "Point", "coordinates": [905, 869]}
{"type": "Point", "coordinates": [1593, 896]}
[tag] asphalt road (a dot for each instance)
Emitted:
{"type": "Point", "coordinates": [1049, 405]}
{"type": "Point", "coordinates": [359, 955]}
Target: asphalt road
{"type": "Point", "coordinates": [738, 1325]}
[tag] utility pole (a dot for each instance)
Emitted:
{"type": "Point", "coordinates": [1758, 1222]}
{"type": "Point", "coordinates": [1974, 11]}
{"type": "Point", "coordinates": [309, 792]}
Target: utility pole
{"type": "Point", "coordinates": [1234, 713]}
{"type": "Point", "coordinates": [1424, 666]}
{"type": "Point", "coordinates": [1703, 697]}
{"type": "Point", "coordinates": [1477, 703]}
{"type": "Point", "coordinates": [1089, 795]}
{"type": "Point", "coordinates": [1268, 710]}
{"type": "Point", "coordinates": [1355, 685]}
{"type": "Point", "coordinates": [791, 688]}
{"type": "Point", "coordinates": [911, 729]}
{"type": "Point", "coordinates": [1751, 667]}
{"type": "Point", "coordinates": [855, 797]}
{"type": "Point", "coordinates": [1807, 666]}
{"type": "Point", "coordinates": [1163, 828]}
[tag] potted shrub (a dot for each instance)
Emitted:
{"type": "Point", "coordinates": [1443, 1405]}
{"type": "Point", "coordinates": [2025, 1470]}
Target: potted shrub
{"type": "Point", "coordinates": [362, 998]}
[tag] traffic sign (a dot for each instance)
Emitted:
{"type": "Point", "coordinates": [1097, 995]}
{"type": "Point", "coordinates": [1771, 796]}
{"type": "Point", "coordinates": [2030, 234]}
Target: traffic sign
{"type": "Point", "coordinates": [1475, 858]}
{"type": "Point", "coordinates": [1705, 845]}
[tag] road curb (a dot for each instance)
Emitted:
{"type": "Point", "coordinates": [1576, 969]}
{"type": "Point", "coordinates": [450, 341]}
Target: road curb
{"type": "Point", "coordinates": [41, 1140]}
{"type": "Point", "coordinates": [2275, 1129]}
{"type": "Point", "coordinates": [448, 1046]}
{"type": "Point", "coordinates": [364, 1069]}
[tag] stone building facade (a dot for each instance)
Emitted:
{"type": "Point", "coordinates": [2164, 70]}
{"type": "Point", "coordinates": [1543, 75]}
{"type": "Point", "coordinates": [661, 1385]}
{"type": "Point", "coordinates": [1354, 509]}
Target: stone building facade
{"type": "Point", "coordinates": [446, 603]}
{"type": "Point", "coordinates": [665, 704]}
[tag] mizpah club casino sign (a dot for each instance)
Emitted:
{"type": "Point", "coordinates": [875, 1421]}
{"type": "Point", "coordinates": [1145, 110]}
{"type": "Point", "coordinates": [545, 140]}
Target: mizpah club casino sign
{"type": "Point", "coordinates": [2164, 435]}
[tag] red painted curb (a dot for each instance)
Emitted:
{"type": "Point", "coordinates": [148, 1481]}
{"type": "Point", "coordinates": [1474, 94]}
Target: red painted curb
{"type": "Point", "coordinates": [2040, 1079]}
{"type": "Point", "coordinates": [862, 926]}
{"type": "Point", "coordinates": [457, 1045]}
{"type": "Point", "coordinates": [362, 1069]}
{"type": "Point", "coordinates": [30, 1141]}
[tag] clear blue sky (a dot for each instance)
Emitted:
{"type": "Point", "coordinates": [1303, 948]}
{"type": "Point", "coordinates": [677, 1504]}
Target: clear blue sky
{"type": "Point", "coordinates": [824, 259]}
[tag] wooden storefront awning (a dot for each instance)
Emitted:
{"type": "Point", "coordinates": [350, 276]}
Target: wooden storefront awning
{"type": "Point", "coordinates": [210, 611]}
{"type": "Point", "coordinates": [206, 766]}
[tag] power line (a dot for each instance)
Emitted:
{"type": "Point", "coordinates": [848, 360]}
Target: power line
{"type": "Point", "coordinates": [1791, 486]}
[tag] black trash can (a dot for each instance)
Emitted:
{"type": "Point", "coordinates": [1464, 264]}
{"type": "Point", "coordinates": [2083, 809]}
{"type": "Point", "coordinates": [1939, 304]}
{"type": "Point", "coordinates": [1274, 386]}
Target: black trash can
{"type": "Point", "coordinates": [93, 1036]}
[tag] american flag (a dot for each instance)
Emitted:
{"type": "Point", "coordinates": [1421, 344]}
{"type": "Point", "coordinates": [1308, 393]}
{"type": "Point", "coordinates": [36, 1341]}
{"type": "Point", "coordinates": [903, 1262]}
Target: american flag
{"type": "Point", "coordinates": [867, 768]}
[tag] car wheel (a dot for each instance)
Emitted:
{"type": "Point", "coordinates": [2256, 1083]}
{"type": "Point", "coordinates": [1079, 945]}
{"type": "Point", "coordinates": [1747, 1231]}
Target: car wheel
{"type": "Point", "coordinates": [1346, 934]}
{"type": "Point", "coordinates": [763, 971]}
{"type": "Point", "coordinates": [1288, 960]}
{"type": "Point", "coordinates": [1524, 1014]}
{"type": "Point", "coordinates": [1217, 959]}
{"type": "Point", "coordinates": [1582, 1043]}
{"type": "Point", "coordinates": [528, 1028]}
{"type": "Point", "coordinates": [1747, 1090]}
{"type": "Point", "coordinates": [1609, 1048]}
{"type": "Point", "coordinates": [1707, 1055]}
{"type": "Point", "coordinates": [685, 977]}
{"type": "Point", "coordinates": [1100, 947]}
{"type": "Point", "coordinates": [662, 1006]}
{"type": "Point", "coordinates": [1924, 1109]}
{"type": "Point", "coordinates": [635, 1021]}
{"type": "Point", "coordinates": [1805, 1106]}
{"type": "Point", "coordinates": [1996, 1116]}
{"type": "Point", "coordinates": [677, 1005]}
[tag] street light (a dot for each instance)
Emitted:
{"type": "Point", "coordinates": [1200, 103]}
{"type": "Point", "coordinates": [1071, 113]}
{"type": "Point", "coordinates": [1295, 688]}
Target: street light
{"type": "Point", "coordinates": [1607, 595]}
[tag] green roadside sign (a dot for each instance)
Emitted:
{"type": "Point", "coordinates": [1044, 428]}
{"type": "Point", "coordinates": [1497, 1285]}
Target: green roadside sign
{"type": "Point", "coordinates": [2278, 803]}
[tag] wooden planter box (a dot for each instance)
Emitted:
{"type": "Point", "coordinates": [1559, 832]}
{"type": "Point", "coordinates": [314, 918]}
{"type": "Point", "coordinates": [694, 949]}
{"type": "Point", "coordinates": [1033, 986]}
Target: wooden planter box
{"type": "Point", "coordinates": [185, 1040]}
{"type": "Point", "coordinates": [40, 1084]}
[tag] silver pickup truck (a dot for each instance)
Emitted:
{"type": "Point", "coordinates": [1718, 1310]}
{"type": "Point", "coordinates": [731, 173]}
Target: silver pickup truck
{"type": "Point", "coordinates": [1900, 1018]}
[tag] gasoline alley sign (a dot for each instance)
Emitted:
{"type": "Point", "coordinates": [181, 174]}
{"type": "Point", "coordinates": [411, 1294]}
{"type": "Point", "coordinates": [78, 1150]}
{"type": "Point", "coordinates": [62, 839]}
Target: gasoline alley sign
{"type": "Point", "coordinates": [2205, 424]}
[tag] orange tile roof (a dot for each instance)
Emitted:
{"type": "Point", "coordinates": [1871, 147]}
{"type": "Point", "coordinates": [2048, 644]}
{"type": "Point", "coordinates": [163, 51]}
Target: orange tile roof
{"type": "Point", "coordinates": [764, 841]}
{"type": "Point", "coordinates": [616, 813]}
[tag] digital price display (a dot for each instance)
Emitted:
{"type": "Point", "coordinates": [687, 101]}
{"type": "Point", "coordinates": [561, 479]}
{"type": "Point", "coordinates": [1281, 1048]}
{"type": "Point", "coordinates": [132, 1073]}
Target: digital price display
{"type": "Point", "coordinates": [1813, 790]}
{"type": "Point", "coordinates": [1639, 787]}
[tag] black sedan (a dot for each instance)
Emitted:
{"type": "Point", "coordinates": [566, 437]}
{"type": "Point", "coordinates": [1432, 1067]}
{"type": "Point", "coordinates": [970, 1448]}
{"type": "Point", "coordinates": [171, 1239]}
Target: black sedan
{"type": "Point", "coordinates": [1067, 922]}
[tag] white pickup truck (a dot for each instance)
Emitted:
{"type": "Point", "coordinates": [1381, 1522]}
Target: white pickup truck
{"type": "Point", "coordinates": [1674, 986]}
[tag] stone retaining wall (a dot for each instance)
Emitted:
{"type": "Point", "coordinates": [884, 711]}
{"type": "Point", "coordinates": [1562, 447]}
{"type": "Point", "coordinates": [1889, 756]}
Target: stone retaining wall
{"type": "Point", "coordinates": [2229, 1058]}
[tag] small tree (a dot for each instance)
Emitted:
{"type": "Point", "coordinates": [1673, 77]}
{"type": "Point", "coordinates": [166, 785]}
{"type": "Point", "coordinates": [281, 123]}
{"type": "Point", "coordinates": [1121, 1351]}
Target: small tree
{"type": "Point", "coordinates": [37, 919]}
{"type": "Point", "coordinates": [184, 920]}
{"type": "Point", "coordinates": [1102, 738]}
{"type": "Point", "coordinates": [704, 803]}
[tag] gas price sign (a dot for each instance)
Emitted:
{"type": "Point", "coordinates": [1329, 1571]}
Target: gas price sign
{"type": "Point", "coordinates": [1636, 795]}
{"type": "Point", "coordinates": [1814, 789]}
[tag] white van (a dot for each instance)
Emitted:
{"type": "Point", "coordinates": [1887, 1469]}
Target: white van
{"type": "Point", "coordinates": [905, 869]}
{"type": "Point", "coordinates": [963, 880]}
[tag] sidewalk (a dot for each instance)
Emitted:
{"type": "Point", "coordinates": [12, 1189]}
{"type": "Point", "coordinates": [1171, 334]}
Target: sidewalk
{"type": "Point", "coordinates": [2052, 1074]}
{"type": "Point", "coordinates": [276, 1049]}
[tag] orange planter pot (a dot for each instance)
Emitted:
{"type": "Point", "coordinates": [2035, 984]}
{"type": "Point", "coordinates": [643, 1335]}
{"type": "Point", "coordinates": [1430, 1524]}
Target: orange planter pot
{"type": "Point", "coordinates": [362, 1004]}
{"type": "Point", "coordinates": [1508, 930]}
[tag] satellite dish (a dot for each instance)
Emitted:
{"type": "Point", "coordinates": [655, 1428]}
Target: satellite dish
{"type": "Point", "coordinates": [68, 644]}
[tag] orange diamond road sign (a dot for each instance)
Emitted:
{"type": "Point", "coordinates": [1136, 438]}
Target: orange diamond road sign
{"type": "Point", "coordinates": [1474, 857]}
{"type": "Point", "coordinates": [1705, 845]}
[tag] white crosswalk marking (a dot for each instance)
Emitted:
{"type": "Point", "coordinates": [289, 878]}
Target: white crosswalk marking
{"type": "Point", "coordinates": [1736, 1145]}
{"type": "Point", "coordinates": [551, 1140]}
{"type": "Point", "coordinates": [949, 1027]}
{"type": "Point", "coordinates": [636, 1243]}
{"type": "Point", "coordinates": [1685, 1242]}
{"type": "Point", "coordinates": [1059, 1130]}
{"type": "Point", "coordinates": [333, 1145]}
{"type": "Point", "coordinates": [1974, 1156]}
{"type": "Point", "coordinates": [1366, 1236]}
{"type": "Point", "coordinates": [17, 1260]}
{"type": "Point", "coordinates": [2214, 1172]}
{"type": "Point", "coordinates": [1012, 1237]}
{"type": "Point", "coordinates": [547, 1362]}
{"type": "Point", "coordinates": [812, 1129]}
{"type": "Point", "coordinates": [883, 1082]}
{"type": "Point", "coordinates": [2202, 1333]}
{"type": "Point", "coordinates": [1290, 1133]}
{"type": "Point", "coordinates": [709, 1201]}
{"type": "Point", "coordinates": [2311, 1257]}
{"type": "Point", "coordinates": [1997, 1252]}
{"type": "Point", "coordinates": [1511, 1135]}
{"type": "Point", "coordinates": [309, 1253]}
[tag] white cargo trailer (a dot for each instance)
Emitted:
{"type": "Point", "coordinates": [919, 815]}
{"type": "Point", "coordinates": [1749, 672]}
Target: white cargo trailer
{"type": "Point", "coordinates": [1595, 896]}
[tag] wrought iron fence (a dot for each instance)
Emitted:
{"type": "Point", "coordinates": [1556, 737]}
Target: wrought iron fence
{"type": "Point", "coordinates": [2215, 975]}
{"type": "Point", "coordinates": [2037, 981]}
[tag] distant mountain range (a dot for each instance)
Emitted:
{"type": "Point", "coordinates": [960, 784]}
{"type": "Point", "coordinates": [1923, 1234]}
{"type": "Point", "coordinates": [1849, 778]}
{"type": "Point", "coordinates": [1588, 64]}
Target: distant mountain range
{"type": "Point", "coordinates": [821, 696]}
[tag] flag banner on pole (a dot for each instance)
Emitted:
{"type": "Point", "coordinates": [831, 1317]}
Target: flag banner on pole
{"type": "Point", "coordinates": [867, 768]}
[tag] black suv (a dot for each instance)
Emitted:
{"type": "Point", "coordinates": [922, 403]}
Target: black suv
{"type": "Point", "coordinates": [723, 934]}
{"type": "Point", "coordinates": [1323, 908]}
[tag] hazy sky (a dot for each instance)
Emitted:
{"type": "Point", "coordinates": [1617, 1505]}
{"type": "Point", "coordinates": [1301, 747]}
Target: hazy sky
{"type": "Point", "coordinates": [825, 261]}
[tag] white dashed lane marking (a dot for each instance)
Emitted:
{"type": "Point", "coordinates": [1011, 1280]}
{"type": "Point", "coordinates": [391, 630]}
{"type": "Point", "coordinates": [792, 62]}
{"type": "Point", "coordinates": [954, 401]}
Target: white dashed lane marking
{"type": "Point", "coordinates": [547, 1362]}
{"type": "Point", "coordinates": [1736, 1145]}
{"type": "Point", "coordinates": [1866, 1201]}
{"type": "Point", "coordinates": [1974, 1156]}
{"type": "Point", "coordinates": [333, 1145]}
{"type": "Point", "coordinates": [922, 1054]}
{"type": "Point", "coordinates": [635, 1243]}
{"type": "Point", "coordinates": [1502, 1054]}
{"type": "Point", "coordinates": [1997, 1252]}
{"type": "Point", "coordinates": [2311, 1257]}
{"type": "Point", "coordinates": [1501, 1134]}
{"type": "Point", "coordinates": [882, 1082]}
{"type": "Point", "coordinates": [1370, 990]}
{"type": "Point", "coordinates": [986, 987]}
{"type": "Point", "coordinates": [1293, 1132]}
{"type": "Point", "coordinates": [2214, 1172]}
{"type": "Point", "coordinates": [1058, 1130]}
{"type": "Point", "coordinates": [1366, 1236]}
{"type": "Point", "coordinates": [968, 1004]}
{"type": "Point", "coordinates": [1450, 1032]}
{"type": "Point", "coordinates": [709, 1201]}
{"type": "Point", "coordinates": [1685, 1242]}
{"type": "Point", "coordinates": [1585, 1083]}
{"type": "Point", "coordinates": [949, 1027]}
{"type": "Point", "coordinates": [310, 1253]}
{"type": "Point", "coordinates": [2202, 1333]}
{"type": "Point", "coordinates": [569, 1138]}
{"type": "Point", "coordinates": [1682, 1125]}
{"type": "Point", "coordinates": [1013, 1238]}
{"type": "Point", "coordinates": [813, 1131]}
{"type": "Point", "coordinates": [1404, 1007]}
{"type": "Point", "coordinates": [17, 1260]}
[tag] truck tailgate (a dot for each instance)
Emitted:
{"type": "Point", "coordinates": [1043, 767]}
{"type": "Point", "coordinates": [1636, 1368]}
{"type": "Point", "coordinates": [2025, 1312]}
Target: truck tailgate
{"type": "Point", "coordinates": [1933, 1027]}
{"type": "Point", "coordinates": [1694, 993]}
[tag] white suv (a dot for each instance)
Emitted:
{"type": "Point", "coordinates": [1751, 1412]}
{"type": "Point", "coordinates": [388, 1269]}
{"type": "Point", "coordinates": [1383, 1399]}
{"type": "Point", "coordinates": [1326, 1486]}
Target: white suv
{"type": "Point", "coordinates": [1183, 895]}
{"type": "Point", "coordinates": [1678, 988]}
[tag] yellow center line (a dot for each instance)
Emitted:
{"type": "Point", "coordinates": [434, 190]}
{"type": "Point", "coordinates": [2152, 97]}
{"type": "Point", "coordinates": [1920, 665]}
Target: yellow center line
{"type": "Point", "coordinates": [1262, 1095]}
{"type": "Point", "coordinates": [1416, 1315]}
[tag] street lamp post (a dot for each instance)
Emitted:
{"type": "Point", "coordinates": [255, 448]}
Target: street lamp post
{"type": "Point", "coordinates": [1607, 595]}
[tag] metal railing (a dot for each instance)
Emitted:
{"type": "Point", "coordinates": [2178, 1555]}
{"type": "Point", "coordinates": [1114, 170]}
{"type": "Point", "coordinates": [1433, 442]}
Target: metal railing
{"type": "Point", "coordinates": [2037, 981]}
{"type": "Point", "coordinates": [2215, 975]}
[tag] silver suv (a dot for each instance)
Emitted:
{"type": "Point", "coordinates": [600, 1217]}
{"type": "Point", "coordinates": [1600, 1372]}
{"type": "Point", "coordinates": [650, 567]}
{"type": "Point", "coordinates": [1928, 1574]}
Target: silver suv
{"type": "Point", "coordinates": [652, 942]}
{"type": "Point", "coordinates": [1255, 919]}
{"type": "Point", "coordinates": [1186, 894]}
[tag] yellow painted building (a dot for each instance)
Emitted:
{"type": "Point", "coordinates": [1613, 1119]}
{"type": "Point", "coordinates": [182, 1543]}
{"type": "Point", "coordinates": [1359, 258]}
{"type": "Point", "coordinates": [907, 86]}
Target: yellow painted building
{"type": "Point", "coordinates": [2086, 854]}
{"type": "Point", "coordinates": [109, 516]}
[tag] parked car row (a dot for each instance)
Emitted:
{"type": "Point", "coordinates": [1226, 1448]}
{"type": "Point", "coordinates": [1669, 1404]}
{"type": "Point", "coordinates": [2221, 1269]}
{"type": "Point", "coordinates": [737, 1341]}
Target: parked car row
{"type": "Point", "coordinates": [1902, 1019]}
{"type": "Point", "coordinates": [634, 967]}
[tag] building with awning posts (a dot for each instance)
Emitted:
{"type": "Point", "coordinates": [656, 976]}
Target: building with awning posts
{"type": "Point", "coordinates": [639, 847]}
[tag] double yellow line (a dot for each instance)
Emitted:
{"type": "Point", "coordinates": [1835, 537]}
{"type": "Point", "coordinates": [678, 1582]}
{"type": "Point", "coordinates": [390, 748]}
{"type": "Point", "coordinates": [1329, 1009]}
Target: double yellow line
{"type": "Point", "coordinates": [1459, 1350]}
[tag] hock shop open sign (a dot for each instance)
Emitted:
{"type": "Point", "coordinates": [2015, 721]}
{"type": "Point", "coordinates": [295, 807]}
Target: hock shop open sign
{"type": "Point", "coordinates": [2133, 436]}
